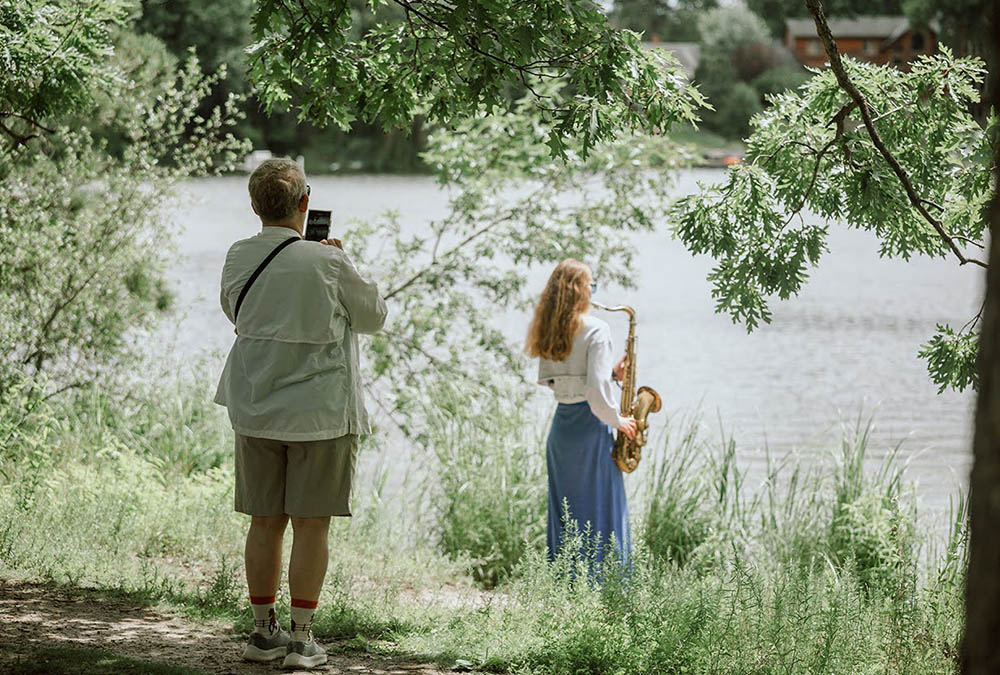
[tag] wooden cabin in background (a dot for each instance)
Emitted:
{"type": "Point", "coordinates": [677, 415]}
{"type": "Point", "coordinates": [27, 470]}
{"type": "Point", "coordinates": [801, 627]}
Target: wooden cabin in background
{"type": "Point", "coordinates": [878, 39]}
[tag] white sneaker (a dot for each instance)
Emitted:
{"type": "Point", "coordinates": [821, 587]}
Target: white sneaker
{"type": "Point", "coordinates": [304, 655]}
{"type": "Point", "coordinates": [262, 648]}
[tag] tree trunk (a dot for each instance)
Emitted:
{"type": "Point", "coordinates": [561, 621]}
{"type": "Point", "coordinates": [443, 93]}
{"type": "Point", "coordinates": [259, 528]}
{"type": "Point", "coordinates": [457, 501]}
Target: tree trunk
{"type": "Point", "coordinates": [981, 644]}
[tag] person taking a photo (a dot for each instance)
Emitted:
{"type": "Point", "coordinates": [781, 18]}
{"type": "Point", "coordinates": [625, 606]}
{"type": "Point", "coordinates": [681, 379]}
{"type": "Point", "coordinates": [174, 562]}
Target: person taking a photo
{"type": "Point", "coordinates": [292, 386]}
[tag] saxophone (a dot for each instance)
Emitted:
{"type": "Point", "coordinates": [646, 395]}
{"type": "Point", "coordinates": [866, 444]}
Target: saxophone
{"type": "Point", "coordinates": [638, 405]}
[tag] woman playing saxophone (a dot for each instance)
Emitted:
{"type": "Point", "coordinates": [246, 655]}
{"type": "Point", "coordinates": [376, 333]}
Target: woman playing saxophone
{"type": "Point", "coordinates": [575, 361]}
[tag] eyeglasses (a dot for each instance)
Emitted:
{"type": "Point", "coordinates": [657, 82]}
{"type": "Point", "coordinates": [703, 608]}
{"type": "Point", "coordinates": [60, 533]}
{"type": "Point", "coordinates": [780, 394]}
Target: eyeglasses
{"type": "Point", "coordinates": [593, 287]}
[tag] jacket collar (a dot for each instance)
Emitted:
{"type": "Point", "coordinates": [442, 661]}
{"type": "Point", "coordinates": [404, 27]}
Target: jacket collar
{"type": "Point", "coordinates": [277, 232]}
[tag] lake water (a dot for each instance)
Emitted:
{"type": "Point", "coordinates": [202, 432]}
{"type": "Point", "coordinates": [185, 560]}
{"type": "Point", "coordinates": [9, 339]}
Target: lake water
{"type": "Point", "coordinates": [845, 347]}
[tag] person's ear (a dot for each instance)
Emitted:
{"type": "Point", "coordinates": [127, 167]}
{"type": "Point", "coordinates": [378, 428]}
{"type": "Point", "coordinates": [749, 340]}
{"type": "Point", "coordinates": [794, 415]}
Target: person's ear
{"type": "Point", "coordinates": [304, 203]}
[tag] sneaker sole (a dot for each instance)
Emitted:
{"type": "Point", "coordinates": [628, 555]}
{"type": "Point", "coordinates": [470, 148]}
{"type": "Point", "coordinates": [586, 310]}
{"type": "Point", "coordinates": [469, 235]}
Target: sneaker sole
{"type": "Point", "coordinates": [295, 660]}
{"type": "Point", "coordinates": [252, 653]}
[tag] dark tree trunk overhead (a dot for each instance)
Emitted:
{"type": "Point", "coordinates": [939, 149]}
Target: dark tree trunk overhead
{"type": "Point", "coordinates": [981, 644]}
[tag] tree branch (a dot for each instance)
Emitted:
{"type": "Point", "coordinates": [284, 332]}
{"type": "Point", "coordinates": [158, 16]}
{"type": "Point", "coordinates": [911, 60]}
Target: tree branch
{"type": "Point", "coordinates": [837, 66]}
{"type": "Point", "coordinates": [32, 122]}
{"type": "Point", "coordinates": [17, 140]}
{"type": "Point", "coordinates": [457, 247]}
{"type": "Point", "coordinates": [468, 40]}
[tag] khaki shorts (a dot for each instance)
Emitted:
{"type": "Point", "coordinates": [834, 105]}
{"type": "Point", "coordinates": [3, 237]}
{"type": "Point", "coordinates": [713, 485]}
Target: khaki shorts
{"type": "Point", "coordinates": [305, 479]}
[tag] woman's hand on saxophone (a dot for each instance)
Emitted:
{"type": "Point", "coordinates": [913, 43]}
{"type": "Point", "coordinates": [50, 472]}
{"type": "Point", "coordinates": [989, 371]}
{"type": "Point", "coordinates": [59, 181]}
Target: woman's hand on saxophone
{"type": "Point", "coordinates": [628, 427]}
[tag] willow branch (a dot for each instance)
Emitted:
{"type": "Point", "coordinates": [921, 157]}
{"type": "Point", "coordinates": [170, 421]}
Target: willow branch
{"type": "Point", "coordinates": [837, 66]}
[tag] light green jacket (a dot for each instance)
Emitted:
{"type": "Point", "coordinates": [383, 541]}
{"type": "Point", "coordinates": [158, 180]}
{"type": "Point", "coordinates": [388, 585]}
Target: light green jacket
{"type": "Point", "coordinates": [293, 372]}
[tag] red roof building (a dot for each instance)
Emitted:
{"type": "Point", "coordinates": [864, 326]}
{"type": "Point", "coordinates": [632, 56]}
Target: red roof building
{"type": "Point", "coordinates": [878, 39]}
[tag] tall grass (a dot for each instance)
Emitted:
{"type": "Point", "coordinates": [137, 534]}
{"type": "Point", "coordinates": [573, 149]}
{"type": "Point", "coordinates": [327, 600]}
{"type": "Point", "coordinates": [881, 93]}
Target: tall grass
{"type": "Point", "coordinates": [489, 490]}
{"type": "Point", "coordinates": [813, 570]}
{"type": "Point", "coordinates": [98, 491]}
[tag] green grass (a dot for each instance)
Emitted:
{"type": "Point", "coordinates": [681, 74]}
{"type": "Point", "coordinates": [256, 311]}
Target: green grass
{"type": "Point", "coordinates": [812, 571]}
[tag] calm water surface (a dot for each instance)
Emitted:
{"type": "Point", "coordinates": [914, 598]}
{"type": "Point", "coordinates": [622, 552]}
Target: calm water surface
{"type": "Point", "coordinates": [845, 347]}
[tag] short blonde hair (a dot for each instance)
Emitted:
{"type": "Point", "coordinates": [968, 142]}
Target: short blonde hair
{"type": "Point", "coordinates": [276, 187]}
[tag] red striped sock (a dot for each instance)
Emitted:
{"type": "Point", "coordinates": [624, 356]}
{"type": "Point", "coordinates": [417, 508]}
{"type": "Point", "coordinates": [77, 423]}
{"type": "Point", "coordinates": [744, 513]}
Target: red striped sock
{"type": "Point", "coordinates": [265, 619]}
{"type": "Point", "coordinates": [302, 617]}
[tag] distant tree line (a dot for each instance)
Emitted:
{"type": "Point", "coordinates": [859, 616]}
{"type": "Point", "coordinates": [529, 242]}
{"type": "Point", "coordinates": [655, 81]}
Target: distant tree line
{"type": "Point", "coordinates": [742, 62]}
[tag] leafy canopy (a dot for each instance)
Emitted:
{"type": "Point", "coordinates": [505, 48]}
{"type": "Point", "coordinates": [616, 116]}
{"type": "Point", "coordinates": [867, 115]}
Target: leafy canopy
{"type": "Point", "coordinates": [454, 60]}
{"type": "Point", "coordinates": [54, 60]}
{"type": "Point", "coordinates": [723, 29]}
{"type": "Point", "coordinates": [101, 124]}
{"type": "Point", "coordinates": [666, 20]}
{"type": "Point", "coordinates": [811, 162]}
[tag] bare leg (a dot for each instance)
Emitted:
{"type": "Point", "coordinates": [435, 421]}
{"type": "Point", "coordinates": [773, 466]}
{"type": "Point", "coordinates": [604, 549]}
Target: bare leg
{"type": "Point", "coordinates": [263, 554]}
{"type": "Point", "coordinates": [310, 554]}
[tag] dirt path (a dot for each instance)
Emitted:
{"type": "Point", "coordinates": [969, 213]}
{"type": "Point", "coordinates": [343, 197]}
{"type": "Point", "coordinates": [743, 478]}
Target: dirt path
{"type": "Point", "coordinates": [45, 629]}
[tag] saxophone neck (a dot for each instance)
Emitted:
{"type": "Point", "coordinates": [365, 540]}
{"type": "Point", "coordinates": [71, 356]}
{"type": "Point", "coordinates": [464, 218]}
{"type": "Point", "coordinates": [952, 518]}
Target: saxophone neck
{"type": "Point", "coordinates": [617, 308]}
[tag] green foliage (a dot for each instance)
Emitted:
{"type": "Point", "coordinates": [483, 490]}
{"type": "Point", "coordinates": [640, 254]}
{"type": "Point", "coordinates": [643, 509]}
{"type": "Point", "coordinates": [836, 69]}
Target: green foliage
{"type": "Point", "coordinates": [723, 29]}
{"type": "Point", "coordinates": [83, 233]}
{"type": "Point", "coordinates": [733, 113]}
{"type": "Point", "coordinates": [736, 50]}
{"type": "Point", "coordinates": [715, 75]}
{"type": "Point", "coordinates": [455, 62]}
{"type": "Point", "coordinates": [809, 153]}
{"type": "Point", "coordinates": [513, 208]}
{"type": "Point", "coordinates": [55, 58]}
{"type": "Point", "coordinates": [780, 79]}
{"type": "Point", "coordinates": [217, 31]}
{"type": "Point", "coordinates": [959, 23]}
{"type": "Point", "coordinates": [758, 254]}
{"type": "Point", "coordinates": [96, 507]}
{"type": "Point", "coordinates": [676, 519]}
{"type": "Point", "coordinates": [746, 606]}
{"type": "Point", "coordinates": [951, 358]}
{"type": "Point", "coordinates": [490, 490]}
{"type": "Point", "coordinates": [872, 524]}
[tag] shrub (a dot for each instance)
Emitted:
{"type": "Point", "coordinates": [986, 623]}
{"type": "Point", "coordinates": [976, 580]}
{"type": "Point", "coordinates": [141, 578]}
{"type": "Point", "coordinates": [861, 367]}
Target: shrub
{"type": "Point", "coordinates": [872, 525]}
{"type": "Point", "coordinates": [83, 238]}
{"type": "Point", "coordinates": [490, 491]}
{"type": "Point", "coordinates": [779, 79]}
{"type": "Point", "coordinates": [753, 58]}
{"type": "Point", "coordinates": [733, 112]}
{"type": "Point", "coordinates": [723, 29]}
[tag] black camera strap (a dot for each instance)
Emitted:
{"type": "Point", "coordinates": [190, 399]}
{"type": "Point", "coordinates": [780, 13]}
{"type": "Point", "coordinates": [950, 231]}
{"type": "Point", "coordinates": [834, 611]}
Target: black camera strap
{"type": "Point", "coordinates": [256, 273]}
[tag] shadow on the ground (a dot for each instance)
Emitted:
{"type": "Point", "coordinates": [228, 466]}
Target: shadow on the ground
{"type": "Point", "coordinates": [53, 629]}
{"type": "Point", "coordinates": [86, 661]}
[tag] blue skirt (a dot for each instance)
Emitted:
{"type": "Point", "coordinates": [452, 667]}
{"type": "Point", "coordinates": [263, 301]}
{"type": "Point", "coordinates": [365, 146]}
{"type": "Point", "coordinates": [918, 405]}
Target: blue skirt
{"type": "Point", "coordinates": [582, 472]}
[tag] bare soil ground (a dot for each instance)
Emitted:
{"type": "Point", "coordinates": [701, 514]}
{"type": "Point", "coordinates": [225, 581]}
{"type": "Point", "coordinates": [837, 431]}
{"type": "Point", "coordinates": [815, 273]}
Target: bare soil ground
{"type": "Point", "coordinates": [49, 629]}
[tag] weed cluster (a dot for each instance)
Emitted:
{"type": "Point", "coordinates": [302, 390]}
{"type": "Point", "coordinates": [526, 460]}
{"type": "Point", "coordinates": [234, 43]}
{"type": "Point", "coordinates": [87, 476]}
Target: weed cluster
{"type": "Point", "coordinates": [489, 491]}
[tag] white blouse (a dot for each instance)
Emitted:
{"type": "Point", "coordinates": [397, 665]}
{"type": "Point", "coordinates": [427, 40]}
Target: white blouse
{"type": "Point", "coordinates": [585, 375]}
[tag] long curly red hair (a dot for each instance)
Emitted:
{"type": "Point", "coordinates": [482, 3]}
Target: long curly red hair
{"type": "Point", "coordinates": [557, 316]}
